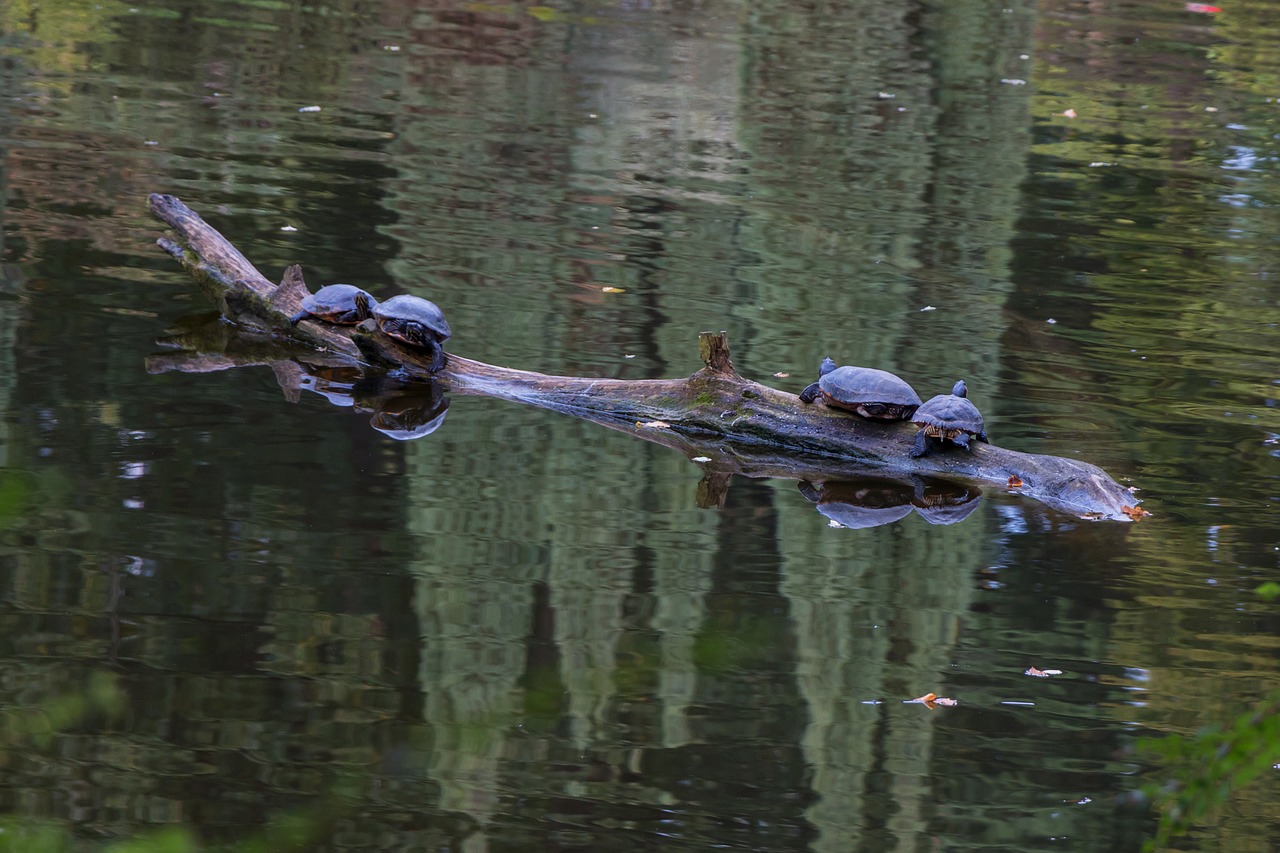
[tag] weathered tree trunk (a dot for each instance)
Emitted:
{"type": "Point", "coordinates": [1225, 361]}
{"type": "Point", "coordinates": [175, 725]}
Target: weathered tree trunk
{"type": "Point", "coordinates": [729, 423]}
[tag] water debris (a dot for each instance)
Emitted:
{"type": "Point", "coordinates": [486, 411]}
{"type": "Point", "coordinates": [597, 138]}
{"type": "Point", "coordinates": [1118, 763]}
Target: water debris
{"type": "Point", "coordinates": [701, 459]}
{"type": "Point", "coordinates": [1042, 673]}
{"type": "Point", "coordinates": [932, 700]}
{"type": "Point", "coordinates": [653, 425]}
{"type": "Point", "coordinates": [289, 228]}
{"type": "Point", "coordinates": [1012, 81]}
{"type": "Point", "coordinates": [609, 288]}
{"type": "Point", "coordinates": [928, 308]}
{"type": "Point", "coordinates": [1137, 513]}
{"type": "Point", "coordinates": [781, 374]}
{"type": "Point", "coordinates": [1069, 113]}
{"type": "Point", "coordinates": [1202, 8]}
{"type": "Point", "coordinates": [1051, 321]}
{"type": "Point", "coordinates": [1015, 482]}
{"type": "Point", "coordinates": [311, 109]}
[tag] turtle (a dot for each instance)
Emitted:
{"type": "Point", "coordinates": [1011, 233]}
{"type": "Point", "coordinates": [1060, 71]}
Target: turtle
{"type": "Point", "coordinates": [414, 321]}
{"type": "Point", "coordinates": [948, 417]}
{"type": "Point", "coordinates": [871, 393]}
{"type": "Point", "coordinates": [343, 304]}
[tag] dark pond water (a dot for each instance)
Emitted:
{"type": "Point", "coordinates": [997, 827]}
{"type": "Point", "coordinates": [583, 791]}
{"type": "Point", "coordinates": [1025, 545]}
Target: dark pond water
{"type": "Point", "coordinates": [238, 619]}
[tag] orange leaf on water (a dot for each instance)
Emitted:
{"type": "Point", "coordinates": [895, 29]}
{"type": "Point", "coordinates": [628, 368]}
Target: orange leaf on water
{"type": "Point", "coordinates": [1137, 513]}
{"type": "Point", "coordinates": [1015, 482]}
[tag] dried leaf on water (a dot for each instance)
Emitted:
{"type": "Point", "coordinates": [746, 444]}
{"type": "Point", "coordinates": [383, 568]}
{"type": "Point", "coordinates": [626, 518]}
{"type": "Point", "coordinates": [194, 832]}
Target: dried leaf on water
{"type": "Point", "coordinates": [1042, 673]}
{"type": "Point", "coordinates": [1015, 482]}
{"type": "Point", "coordinates": [653, 425]}
{"type": "Point", "coordinates": [608, 288]}
{"type": "Point", "coordinates": [1137, 513]}
{"type": "Point", "coordinates": [932, 700]}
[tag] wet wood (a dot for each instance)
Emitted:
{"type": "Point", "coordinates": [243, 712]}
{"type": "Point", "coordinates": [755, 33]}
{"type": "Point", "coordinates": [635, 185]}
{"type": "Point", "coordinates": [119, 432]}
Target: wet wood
{"type": "Point", "coordinates": [731, 423]}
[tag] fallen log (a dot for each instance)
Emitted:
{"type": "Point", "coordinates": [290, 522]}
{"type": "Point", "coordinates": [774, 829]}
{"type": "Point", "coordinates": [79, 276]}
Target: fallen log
{"type": "Point", "coordinates": [728, 423]}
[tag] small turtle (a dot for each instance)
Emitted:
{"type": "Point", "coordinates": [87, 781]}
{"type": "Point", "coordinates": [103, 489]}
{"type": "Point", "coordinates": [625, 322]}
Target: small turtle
{"type": "Point", "coordinates": [866, 391]}
{"type": "Point", "coordinates": [415, 321]}
{"type": "Point", "coordinates": [343, 304]}
{"type": "Point", "coordinates": [948, 417]}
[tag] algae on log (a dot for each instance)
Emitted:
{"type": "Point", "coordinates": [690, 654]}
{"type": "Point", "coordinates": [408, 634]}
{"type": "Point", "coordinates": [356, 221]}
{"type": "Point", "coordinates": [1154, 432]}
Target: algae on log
{"type": "Point", "coordinates": [741, 426]}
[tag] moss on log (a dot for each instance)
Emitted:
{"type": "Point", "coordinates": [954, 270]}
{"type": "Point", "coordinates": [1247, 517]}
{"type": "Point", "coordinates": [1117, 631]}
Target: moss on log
{"type": "Point", "coordinates": [733, 424]}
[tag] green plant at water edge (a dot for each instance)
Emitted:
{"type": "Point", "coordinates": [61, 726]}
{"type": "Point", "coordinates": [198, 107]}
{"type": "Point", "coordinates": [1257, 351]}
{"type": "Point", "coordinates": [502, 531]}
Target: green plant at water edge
{"type": "Point", "coordinates": [1209, 766]}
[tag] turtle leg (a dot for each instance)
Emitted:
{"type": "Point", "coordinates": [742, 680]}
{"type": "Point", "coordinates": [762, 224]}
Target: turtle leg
{"type": "Point", "coordinates": [809, 394]}
{"type": "Point", "coordinates": [921, 447]}
{"type": "Point", "coordinates": [296, 318]}
{"type": "Point", "coordinates": [962, 439]}
{"type": "Point", "coordinates": [811, 492]}
{"type": "Point", "coordinates": [437, 357]}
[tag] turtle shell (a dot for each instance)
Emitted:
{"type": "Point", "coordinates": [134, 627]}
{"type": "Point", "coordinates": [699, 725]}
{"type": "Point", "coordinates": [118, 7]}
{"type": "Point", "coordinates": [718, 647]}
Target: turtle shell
{"type": "Point", "coordinates": [869, 392]}
{"type": "Point", "coordinates": [337, 303]}
{"type": "Point", "coordinates": [946, 415]}
{"type": "Point", "coordinates": [413, 320]}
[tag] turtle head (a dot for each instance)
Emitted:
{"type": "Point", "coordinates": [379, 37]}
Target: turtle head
{"type": "Point", "coordinates": [959, 390]}
{"type": "Point", "coordinates": [364, 309]}
{"type": "Point", "coordinates": [826, 367]}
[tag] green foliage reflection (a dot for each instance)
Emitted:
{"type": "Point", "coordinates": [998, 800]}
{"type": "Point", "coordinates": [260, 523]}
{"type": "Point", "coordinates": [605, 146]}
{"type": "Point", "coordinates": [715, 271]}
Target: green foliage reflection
{"type": "Point", "coordinates": [1208, 767]}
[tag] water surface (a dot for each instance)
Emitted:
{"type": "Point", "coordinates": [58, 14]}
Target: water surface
{"type": "Point", "coordinates": [523, 631]}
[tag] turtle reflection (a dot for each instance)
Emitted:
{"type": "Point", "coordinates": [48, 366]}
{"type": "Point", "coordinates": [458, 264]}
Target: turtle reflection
{"type": "Point", "coordinates": [403, 411]}
{"type": "Point", "coordinates": [945, 503]}
{"type": "Point", "coordinates": [870, 503]}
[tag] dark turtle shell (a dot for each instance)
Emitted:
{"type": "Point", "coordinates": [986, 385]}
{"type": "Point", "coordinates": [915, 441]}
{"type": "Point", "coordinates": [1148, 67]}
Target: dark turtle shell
{"type": "Point", "coordinates": [948, 417]}
{"type": "Point", "coordinates": [413, 320]}
{"type": "Point", "coordinates": [866, 391]}
{"type": "Point", "coordinates": [343, 304]}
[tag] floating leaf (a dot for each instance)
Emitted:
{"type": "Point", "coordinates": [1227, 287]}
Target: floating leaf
{"type": "Point", "coordinates": [1069, 113]}
{"type": "Point", "coordinates": [608, 288]}
{"type": "Point", "coordinates": [653, 425]}
{"type": "Point", "coordinates": [1092, 516]}
{"type": "Point", "coordinates": [702, 459]}
{"type": "Point", "coordinates": [928, 308]}
{"type": "Point", "coordinates": [1015, 482]}
{"type": "Point", "coordinates": [781, 374]}
{"type": "Point", "coordinates": [1137, 513]}
{"type": "Point", "coordinates": [1041, 673]}
{"type": "Point", "coordinates": [931, 700]}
